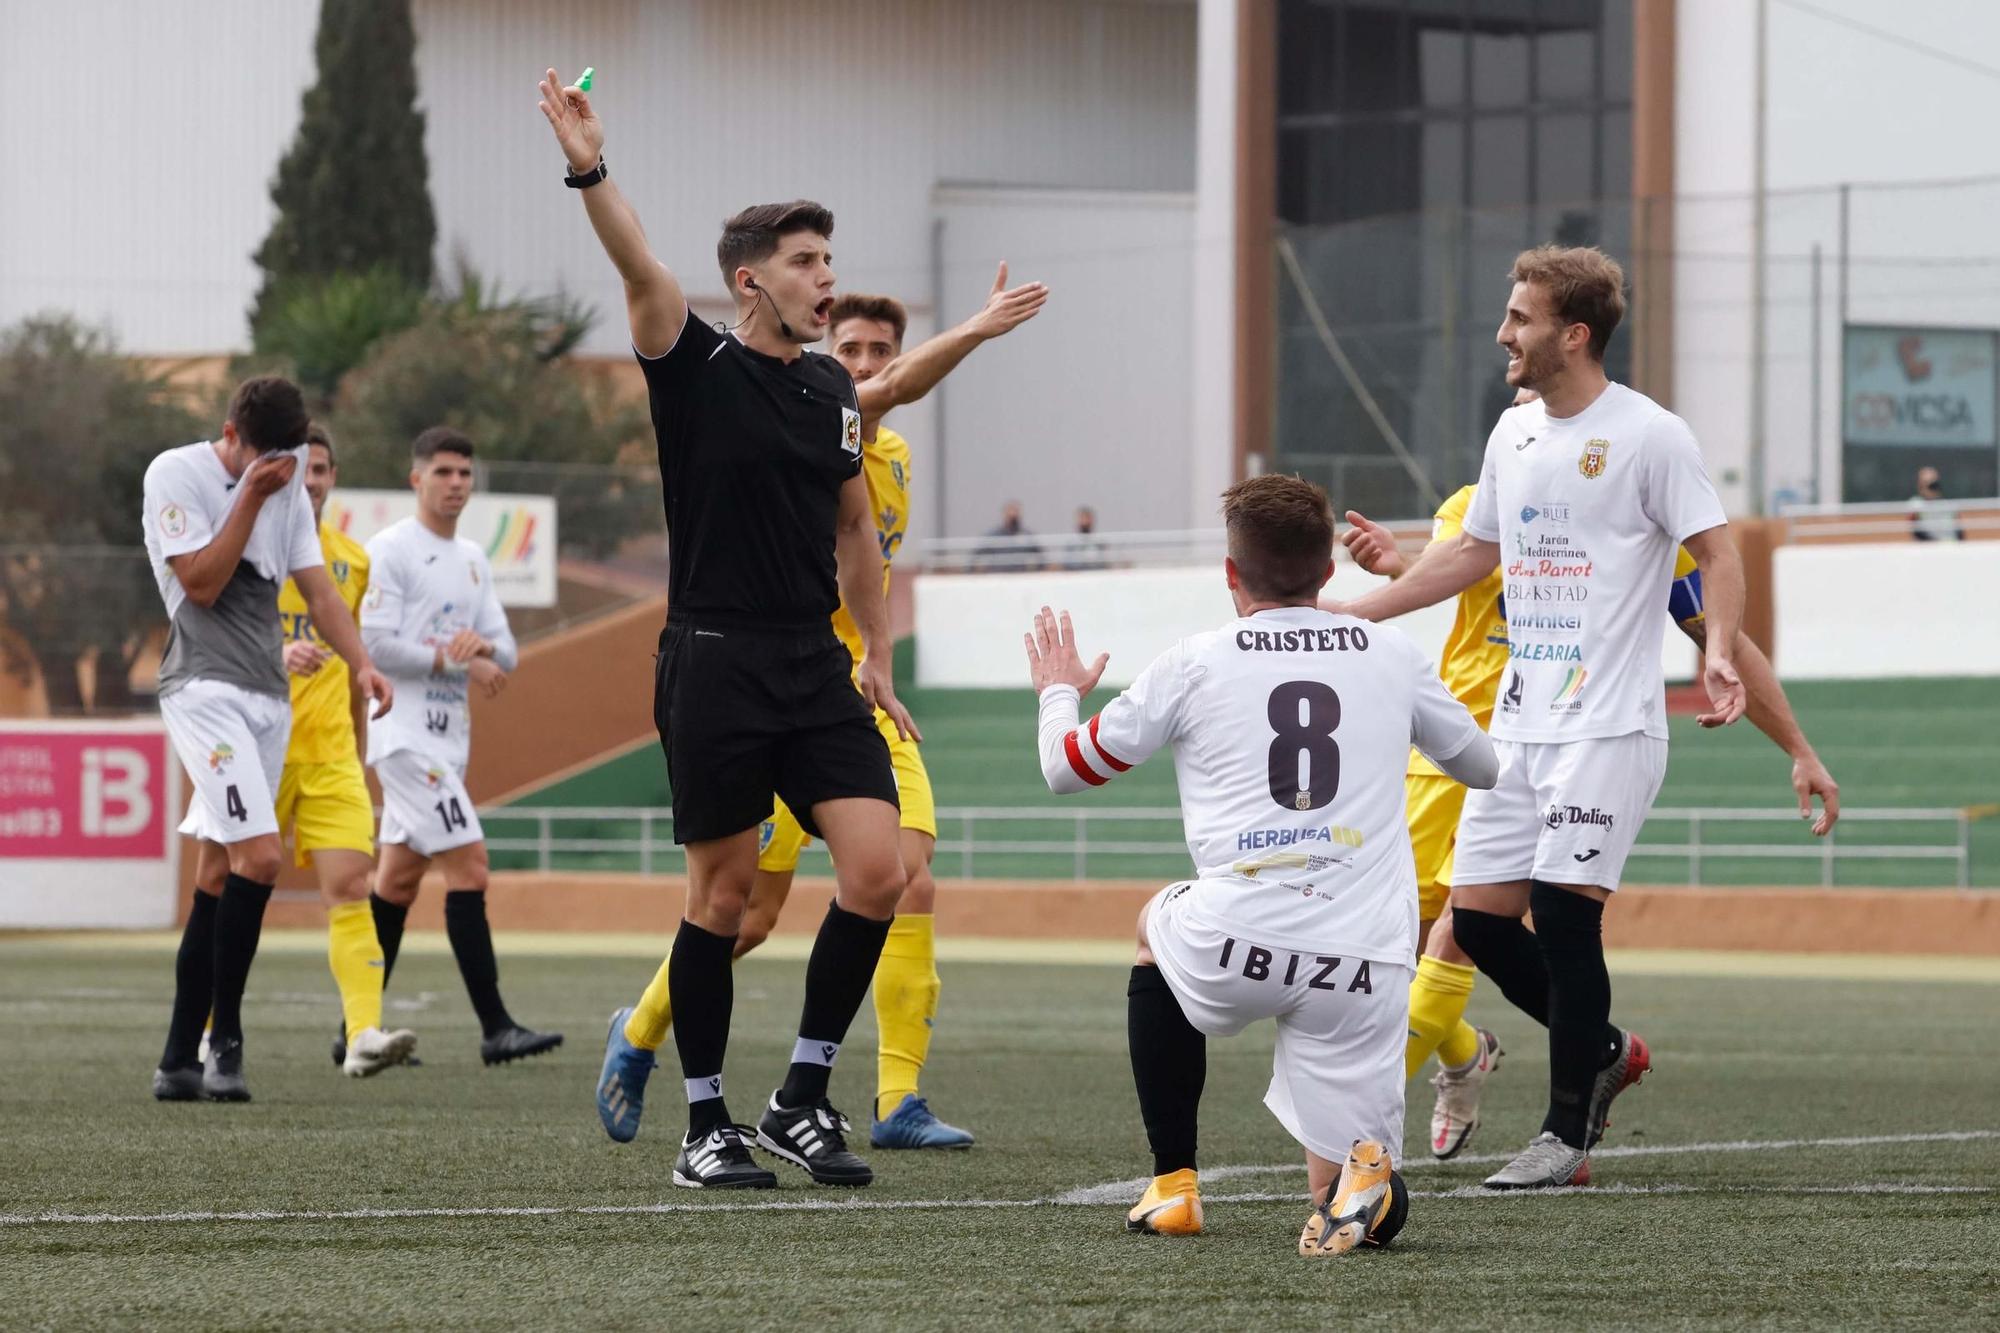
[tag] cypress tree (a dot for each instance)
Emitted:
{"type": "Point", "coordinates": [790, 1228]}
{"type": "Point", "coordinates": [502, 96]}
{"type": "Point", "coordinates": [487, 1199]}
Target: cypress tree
{"type": "Point", "coordinates": [353, 191]}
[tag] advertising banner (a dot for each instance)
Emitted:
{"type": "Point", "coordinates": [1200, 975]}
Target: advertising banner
{"type": "Point", "coordinates": [517, 532]}
{"type": "Point", "coordinates": [87, 816]}
{"type": "Point", "coordinates": [1919, 387]}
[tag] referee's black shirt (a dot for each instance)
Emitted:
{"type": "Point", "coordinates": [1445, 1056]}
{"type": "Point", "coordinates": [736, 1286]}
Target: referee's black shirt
{"type": "Point", "coordinates": [753, 453]}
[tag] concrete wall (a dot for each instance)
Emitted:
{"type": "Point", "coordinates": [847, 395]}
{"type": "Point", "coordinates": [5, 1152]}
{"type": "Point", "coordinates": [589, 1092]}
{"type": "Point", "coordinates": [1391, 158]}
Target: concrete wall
{"type": "Point", "coordinates": [1917, 609]}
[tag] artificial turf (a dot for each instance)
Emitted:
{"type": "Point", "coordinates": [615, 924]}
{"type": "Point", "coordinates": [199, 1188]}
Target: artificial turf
{"type": "Point", "coordinates": [1030, 1056]}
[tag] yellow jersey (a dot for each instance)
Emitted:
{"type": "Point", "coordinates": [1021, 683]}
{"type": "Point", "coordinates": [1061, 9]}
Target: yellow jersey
{"type": "Point", "coordinates": [1475, 652]}
{"type": "Point", "coordinates": [322, 723]}
{"type": "Point", "coordinates": [885, 462]}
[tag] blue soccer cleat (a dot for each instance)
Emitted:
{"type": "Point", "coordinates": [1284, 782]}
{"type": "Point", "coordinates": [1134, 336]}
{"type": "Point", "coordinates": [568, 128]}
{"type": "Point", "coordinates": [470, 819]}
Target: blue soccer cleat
{"type": "Point", "coordinates": [911, 1125]}
{"type": "Point", "coordinates": [621, 1085]}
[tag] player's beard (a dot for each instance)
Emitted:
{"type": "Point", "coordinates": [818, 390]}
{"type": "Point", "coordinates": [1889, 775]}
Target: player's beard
{"type": "Point", "coordinates": [1539, 366]}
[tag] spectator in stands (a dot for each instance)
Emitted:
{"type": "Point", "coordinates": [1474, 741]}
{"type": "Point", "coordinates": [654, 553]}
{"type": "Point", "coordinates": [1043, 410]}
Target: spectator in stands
{"type": "Point", "coordinates": [1009, 548]}
{"type": "Point", "coordinates": [1085, 550]}
{"type": "Point", "coordinates": [1933, 518]}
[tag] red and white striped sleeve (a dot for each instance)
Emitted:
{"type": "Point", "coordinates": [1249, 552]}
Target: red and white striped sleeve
{"type": "Point", "coordinates": [1079, 755]}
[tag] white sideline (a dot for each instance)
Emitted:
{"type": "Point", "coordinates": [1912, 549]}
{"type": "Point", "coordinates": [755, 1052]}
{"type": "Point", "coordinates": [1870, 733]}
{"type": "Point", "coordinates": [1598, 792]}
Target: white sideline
{"type": "Point", "coordinates": [1112, 1192]}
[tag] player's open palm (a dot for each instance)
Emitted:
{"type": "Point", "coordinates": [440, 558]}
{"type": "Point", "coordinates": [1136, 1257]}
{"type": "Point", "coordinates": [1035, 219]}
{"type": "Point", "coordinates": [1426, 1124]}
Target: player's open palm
{"type": "Point", "coordinates": [577, 127]}
{"type": "Point", "coordinates": [1052, 655]}
{"type": "Point", "coordinates": [1007, 308]}
{"type": "Point", "coordinates": [1372, 546]}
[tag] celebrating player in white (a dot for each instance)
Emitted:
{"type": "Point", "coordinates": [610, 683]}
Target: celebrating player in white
{"type": "Point", "coordinates": [1291, 728]}
{"type": "Point", "coordinates": [435, 624]}
{"type": "Point", "coordinates": [1584, 496]}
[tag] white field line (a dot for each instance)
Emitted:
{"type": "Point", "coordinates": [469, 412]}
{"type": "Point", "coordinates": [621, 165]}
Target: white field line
{"type": "Point", "coordinates": [1095, 1194]}
{"type": "Point", "coordinates": [1112, 1191]}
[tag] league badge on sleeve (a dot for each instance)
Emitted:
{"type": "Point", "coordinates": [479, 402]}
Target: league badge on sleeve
{"type": "Point", "coordinates": [1591, 464]}
{"type": "Point", "coordinates": [850, 431]}
{"type": "Point", "coordinates": [173, 521]}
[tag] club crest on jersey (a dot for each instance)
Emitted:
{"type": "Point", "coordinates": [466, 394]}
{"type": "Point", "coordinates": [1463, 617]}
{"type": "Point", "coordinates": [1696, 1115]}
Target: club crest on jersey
{"type": "Point", "coordinates": [340, 571]}
{"type": "Point", "coordinates": [1591, 464]}
{"type": "Point", "coordinates": [850, 431]}
{"type": "Point", "coordinates": [1303, 801]}
{"type": "Point", "coordinates": [896, 471]}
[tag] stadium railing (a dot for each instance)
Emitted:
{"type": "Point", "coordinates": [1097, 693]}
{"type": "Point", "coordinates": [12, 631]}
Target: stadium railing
{"type": "Point", "coordinates": [1114, 842]}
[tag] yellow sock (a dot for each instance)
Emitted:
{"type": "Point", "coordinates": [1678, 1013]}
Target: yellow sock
{"type": "Point", "coordinates": [355, 956]}
{"type": "Point", "coordinates": [1438, 998]}
{"type": "Point", "coordinates": [906, 996]}
{"type": "Point", "coordinates": [653, 1015]}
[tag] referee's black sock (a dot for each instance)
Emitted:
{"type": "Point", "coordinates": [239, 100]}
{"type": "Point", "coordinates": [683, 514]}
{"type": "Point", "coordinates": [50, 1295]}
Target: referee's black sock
{"type": "Point", "coordinates": [194, 985]}
{"type": "Point", "coordinates": [837, 976]}
{"type": "Point", "coordinates": [239, 922]}
{"type": "Point", "coordinates": [1169, 1066]}
{"type": "Point", "coordinates": [1505, 950]}
{"type": "Point", "coordinates": [1570, 929]}
{"type": "Point", "coordinates": [701, 986]}
{"type": "Point", "coordinates": [389, 919]}
{"type": "Point", "coordinates": [472, 945]}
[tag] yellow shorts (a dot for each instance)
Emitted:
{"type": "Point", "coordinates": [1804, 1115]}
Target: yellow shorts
{"type": "Point", "coordinates": [327, 808]}
{"type": "Point", "coordinates": [1434, 802]}
{"type": "Point", "coordinates": [781, 841]}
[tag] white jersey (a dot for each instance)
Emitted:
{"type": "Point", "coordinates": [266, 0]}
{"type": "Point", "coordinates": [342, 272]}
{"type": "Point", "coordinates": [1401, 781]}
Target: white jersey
{"type": "Point", "coordinates": [1291, 730]}
{"type": "Point", "coordinates": [188, 498]}
{"type": "Point", "coordinates": [1588, 511]}
{"type": "Point", "coordinates": [422, 590]}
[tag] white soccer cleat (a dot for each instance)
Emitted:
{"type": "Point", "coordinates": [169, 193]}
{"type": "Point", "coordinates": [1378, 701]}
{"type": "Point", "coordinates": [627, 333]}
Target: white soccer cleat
{"type": "Point", "coordinates": [374, 1050]}
{"type": "Point", "coordinates": [1456, 1114]}
{"type": "Point", "coordinates": [1546, 1163]}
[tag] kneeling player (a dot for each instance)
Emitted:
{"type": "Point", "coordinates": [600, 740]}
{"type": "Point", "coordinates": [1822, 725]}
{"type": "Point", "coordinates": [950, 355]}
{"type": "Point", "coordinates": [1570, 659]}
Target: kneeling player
{"type": "Point", "coordinates": [1291, 727]}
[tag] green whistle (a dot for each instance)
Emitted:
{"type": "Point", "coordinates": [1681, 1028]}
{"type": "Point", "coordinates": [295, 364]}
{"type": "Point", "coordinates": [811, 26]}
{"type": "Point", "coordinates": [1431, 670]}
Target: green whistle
{"type": "Point", "coordinates": [583, 84]}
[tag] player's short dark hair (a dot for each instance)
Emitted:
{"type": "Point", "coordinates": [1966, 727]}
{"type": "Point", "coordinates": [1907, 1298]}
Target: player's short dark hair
{"type": "Point", "coordinates": [321, 436]}
{"type": "Point", "coordinates": [1280, 536]}
{"type": "Point", "coordinates": [439, 440]}
{"type": "Point", "coordinates": [269, 413]}
{"type": "Point", "coordinates": [885, 308]}
{"type": "Point", "coordinates": [752, 236]}
{"type": "Point", "coordinates": [1585, 285]}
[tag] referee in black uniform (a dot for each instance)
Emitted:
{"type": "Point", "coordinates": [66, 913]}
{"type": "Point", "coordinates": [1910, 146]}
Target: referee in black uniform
{"type": "Point", "coordinates": [770, 529]}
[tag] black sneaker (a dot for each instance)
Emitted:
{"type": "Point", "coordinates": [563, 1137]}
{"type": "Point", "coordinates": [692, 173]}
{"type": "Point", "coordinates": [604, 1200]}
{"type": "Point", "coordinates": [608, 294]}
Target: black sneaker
{"type": "Point", "coordinates": [177, 1085]}
{"type": "Point", "coordinates": [811, 1137]}
{"type": "Point", "coordinates": [515, 1043]}
{"type": "Point", "coordinates": [721, 1161]}
{"type": "Point", "coordinates": [222, 1072]}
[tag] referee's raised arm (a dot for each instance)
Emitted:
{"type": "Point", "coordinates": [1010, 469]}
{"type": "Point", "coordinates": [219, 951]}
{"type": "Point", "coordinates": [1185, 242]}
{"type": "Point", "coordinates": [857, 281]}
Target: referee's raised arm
{"type": "Point", "coordinates": [654, 303]}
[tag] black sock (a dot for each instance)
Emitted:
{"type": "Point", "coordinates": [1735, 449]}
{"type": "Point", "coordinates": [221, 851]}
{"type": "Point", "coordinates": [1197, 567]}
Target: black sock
{"type": "Point", "coordinates": [1169, 1066]}
{"type": "Point", "coordinates": [389, 919]}
{"type": "Point", "coordinates": [701, 986]}
{"type": "Point", "coordinates": [1505, 950]}
{"type": "Point", "coordinates": [837, 975]}
{"type": "Point", "coordinates": [472, 944]}
{"type": "Point", "coordinates": [194, 985]}
{"type": "Point", "coordinates": [1569, 927]}
{"type": "Point", "coordinates": [239, 921]}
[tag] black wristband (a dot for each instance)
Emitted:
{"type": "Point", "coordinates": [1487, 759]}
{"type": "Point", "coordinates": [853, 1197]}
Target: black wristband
{"type": "Point", "coordinates": [589, 178]}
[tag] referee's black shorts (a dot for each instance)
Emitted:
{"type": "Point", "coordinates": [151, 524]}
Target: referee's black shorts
{"type": "Point", "coordinates": [745, 713]}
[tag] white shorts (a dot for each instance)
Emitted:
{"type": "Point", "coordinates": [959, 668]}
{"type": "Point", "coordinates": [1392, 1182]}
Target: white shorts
{"type": "Point", "coordinates": [1564, 813]}
{"type": "Point", "coordinates": [232, 742]}
{"type": "Point", "coordinates": [424, 805]}
{"type": "Point", "coordinates": [1337, 1074]}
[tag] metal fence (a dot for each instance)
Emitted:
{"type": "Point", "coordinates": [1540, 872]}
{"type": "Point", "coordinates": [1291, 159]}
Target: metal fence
{"type": "Point", "coordinates": [1917, 847]}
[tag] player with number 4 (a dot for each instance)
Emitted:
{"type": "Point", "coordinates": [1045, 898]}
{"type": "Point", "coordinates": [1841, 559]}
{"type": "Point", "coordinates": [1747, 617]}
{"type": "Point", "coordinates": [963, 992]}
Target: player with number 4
{"type": "Point", "coordinates": [434, 623]}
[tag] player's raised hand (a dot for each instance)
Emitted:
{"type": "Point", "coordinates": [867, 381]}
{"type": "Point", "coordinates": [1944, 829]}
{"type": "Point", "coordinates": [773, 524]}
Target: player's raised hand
{"type": "Point", "coordinates": [577, 127]}
{"type": "Point", "coordinates": [303, 657]}
{"type": "Point", "coordinates": [1007, 308]}
{"type": "Point", "coordinates": [877, 681]}
{"type": "Point", "coordinates": [374, 685]}
{"type": "Point", "coordinates": [1052, 655]}
{"type": "Point", "coordinates": [1726, 696]}
{"type": "Point", "coordinates": [269, 474]}
{"type": "Point", "coordinates": [1372, 546]}
{"type": "Point", "coordinates": [1809, 779]}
